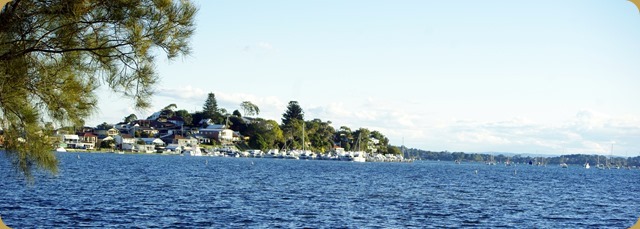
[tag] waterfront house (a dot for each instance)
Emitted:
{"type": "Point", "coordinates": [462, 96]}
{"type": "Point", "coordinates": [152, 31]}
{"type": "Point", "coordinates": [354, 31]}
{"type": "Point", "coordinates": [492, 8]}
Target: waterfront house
{"type": "Point", "coordinates": [70, 140]}
{"type": "Point", "coordinates": [156, 142]}
{"type": "Point", "coordinates": [202, 139]}
{"type": "Point", "coordinates": [185, 142]}
{"type": "Point", "coordinates": [147, 131]}
{"type": "Point", "coordinates": [125, 141]}
{"type": "Point", "coordinates": [144, 148]}
{"type": "Point", "coordinates": [102, 133]}
{"type": "Point", "coordinates": [88, 141]}
{"type": "Point", "coordinates": [173, 148]}
{"type": "Point", "coordinates": [154, 128]}
{"type": "Point", "coordinates": [218, 132]}
{"type": "Point", "coordinates": [88, 137]}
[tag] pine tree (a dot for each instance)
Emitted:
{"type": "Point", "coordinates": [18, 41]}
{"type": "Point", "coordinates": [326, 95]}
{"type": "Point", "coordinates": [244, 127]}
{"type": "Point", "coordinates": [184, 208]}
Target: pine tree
{"type": "Point", "coordinates": [294, 112]}
{"type": "Point", "coordinates": [55, 54]}
{"type": "Point", "coordinates": [210, 107]}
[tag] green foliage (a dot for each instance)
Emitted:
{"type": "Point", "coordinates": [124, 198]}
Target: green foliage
{"type": "Point", "coordinates": [237, 124]}
{"type": "Point", "coordinates": [264, 134]}
{"type": "Point", "coordinates": [197, 117]}
{"type": "Point", "coordinates": [292, 133]}
{"type": "Point", "coordinates": [55, 54]}
{"type": "Point", "coordinates": [361, 141]}
{"type": "Point", "coordinates": [319, 135]}
{"type": "Point", "coordinates": [130, 118]}
{"type": "Point", "coordinates": [167, 112]}
{"type": "Point", "coordinates": [574, 159]}
{"type": "Point", "coordinates": [211, 110]}
{"type": "Point", "coordinates": [170, 107]}
{"type": "Point", "coordinates": [108, 144]}
{"type": "Point", "coordinates": [292, 124]}
{"type": "Point", "coordinates": [249, 108]}
{"type": "Point", "coordinates": [237, 113]}
{"type": "Point", "coordinates": [210, 107]}
{"type": "Point", "coordinates": [104, 126]}
{"type": "Point", "coordinates": [343, 137]}
{"type": "Point", "coordinates": [393, 150]}
{"type": "Point", "coordinates": [294, 112]}
{"type": "Point", "coordinates": [185, 116]}
{"type": "Point", "coordinates": [383, 142]}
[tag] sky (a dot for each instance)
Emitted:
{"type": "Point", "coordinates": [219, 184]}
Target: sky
{"type": "Point", "coordinates": [541, 77]}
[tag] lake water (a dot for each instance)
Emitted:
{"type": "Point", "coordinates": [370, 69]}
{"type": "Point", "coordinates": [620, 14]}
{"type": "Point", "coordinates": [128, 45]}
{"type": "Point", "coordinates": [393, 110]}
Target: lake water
{"type": "Point", "coordinates": [147, 191]}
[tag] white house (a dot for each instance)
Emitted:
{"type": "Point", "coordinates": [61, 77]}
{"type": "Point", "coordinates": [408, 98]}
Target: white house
{"type": "Point", "coordinates": [70, 140]}
{"type": "Point", "coordinates": [153, 141]}
{"type": "Point", "coordinates": [125, 141]}
{"type": "Point", "coordinates": [191, 141]}
{"type": "Point", "coordinates": [218, 132]}
{"type": "Point", "coordinates": [185, 142]}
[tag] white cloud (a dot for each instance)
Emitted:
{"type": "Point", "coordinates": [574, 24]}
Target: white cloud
{"type": "Point", "coordinates": [482, 137]}
{"type": "Point", "coordinates": [587, 132]}
{"type": "Point", "coordinates": [186, 92]}
{"type": "Point", "coordinates": [265, 45]}
{"type": "Point", "coordinates": [259, 46]}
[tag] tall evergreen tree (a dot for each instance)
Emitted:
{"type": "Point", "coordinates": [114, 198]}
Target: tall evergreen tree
{"type": "Point", "coordinates": [55, 54]}
{"type": "Point", "coordinates": [294, 112]}
{"type": "Point", "coordinates": [210, 108]}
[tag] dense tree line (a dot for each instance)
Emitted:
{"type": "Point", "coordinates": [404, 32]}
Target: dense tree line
{"type": "Point", "coordinates": [573, 159]}
{"type": "Point", "coordinates": [294, 132]}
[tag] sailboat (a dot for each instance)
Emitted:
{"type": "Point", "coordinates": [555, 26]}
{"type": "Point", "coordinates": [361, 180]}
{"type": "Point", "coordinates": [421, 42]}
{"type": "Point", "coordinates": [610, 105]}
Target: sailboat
{"type": "Point", "coordinates": [562, 163]}
{"type": "Point", "coordinates": [359, 155]}
{"type": "Point", "coordinates": [598, 165]}
{"type": "Point", "coordinates": [586, 165]}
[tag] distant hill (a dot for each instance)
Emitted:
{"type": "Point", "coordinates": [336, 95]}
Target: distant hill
{"type": "Point", "coordinates": [499, 157]}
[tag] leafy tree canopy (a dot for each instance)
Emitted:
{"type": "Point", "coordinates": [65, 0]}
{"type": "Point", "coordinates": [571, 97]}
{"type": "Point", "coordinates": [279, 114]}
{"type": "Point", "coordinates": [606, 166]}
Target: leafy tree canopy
{"type": "Point", "coordinates": [104, 126]}
{"type": "Point", "coordinates": [236, 113]}
{"type": "Point", "coordinates": [185, 116]}
{"type": "Point", "coordinates": [130, 118]}
{"type": "Point", "coordinates": [249, 108]}
{"type": "Point", "coordinates": [55, 54]}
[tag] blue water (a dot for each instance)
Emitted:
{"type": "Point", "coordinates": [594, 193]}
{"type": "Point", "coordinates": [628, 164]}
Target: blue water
{"type": "Point", "coordinates": [111, 190]}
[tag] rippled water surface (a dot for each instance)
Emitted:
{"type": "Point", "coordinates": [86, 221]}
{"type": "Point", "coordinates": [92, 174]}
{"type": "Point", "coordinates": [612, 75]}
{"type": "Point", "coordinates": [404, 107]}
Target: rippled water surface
{"type": "Point", "coordinates": [111, 190]}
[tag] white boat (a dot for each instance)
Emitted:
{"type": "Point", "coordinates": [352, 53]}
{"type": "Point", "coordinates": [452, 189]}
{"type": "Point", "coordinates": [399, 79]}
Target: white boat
{"type": "Point", "coordinates": [586, 165]}
{"type": "Point", "coordinates": [195, 151]}
{"type": "Point", "coordinates": [358, 157]}
{"type": "Point", "coordinates": [61, 149]}
{"type": "Point", "coordinates": [564, 165]}
{"type": "Point", "coordinates": [598, 165]}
